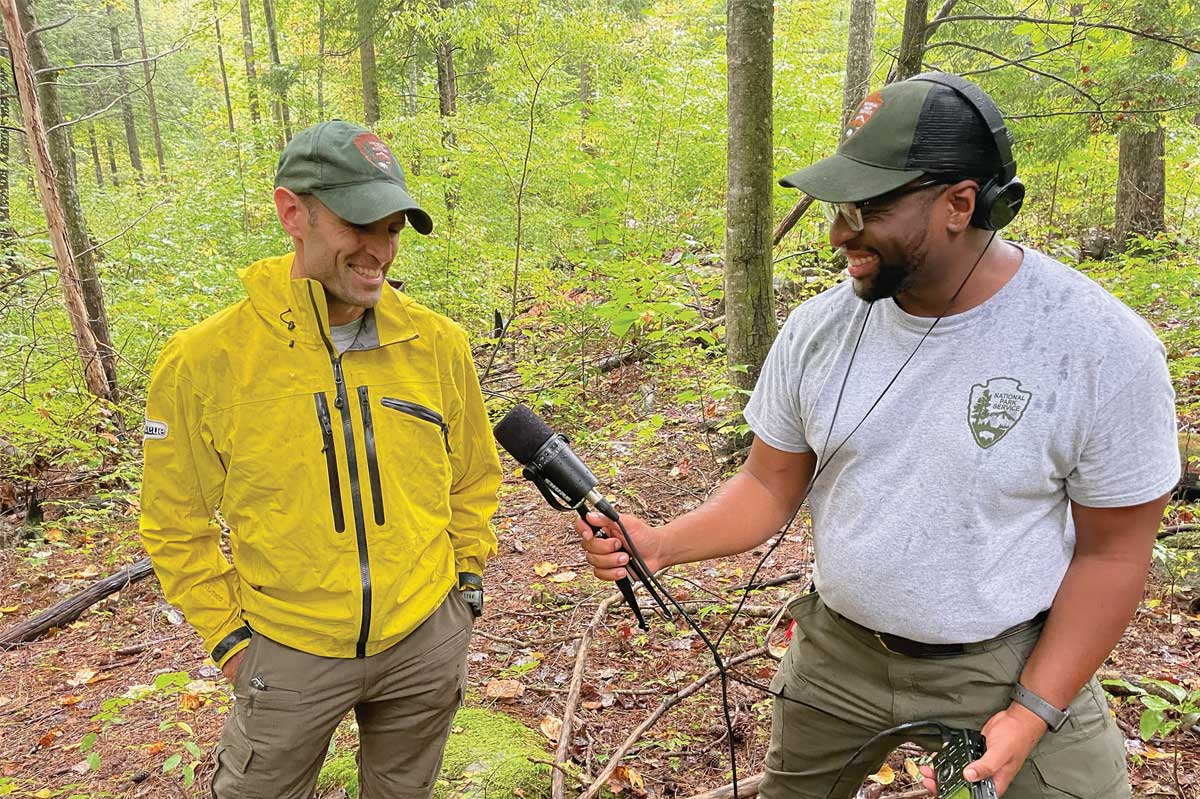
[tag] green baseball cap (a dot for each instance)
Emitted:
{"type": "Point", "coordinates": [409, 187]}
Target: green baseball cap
{"type": "Point", "coordinates": [351, 171]}
{"type": "Point", "coordinates": [900, 133]}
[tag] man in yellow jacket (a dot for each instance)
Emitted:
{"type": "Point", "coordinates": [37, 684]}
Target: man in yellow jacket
{"type": "Point", "coordinates": [339, 429]}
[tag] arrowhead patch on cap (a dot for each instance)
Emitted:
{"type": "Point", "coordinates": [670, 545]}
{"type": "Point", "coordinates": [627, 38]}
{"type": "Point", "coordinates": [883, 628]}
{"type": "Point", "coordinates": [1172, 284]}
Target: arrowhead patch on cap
{"type": "Point", "coordinates": [870, 104]}
{"type": "Point", "coordinates": [376, 152]}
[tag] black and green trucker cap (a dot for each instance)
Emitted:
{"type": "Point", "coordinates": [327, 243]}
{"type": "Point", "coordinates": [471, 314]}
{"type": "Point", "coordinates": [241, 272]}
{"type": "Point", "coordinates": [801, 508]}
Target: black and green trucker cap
{"type": "Point", "coordinates": [351, 171]}
{"type": "Point", "coordinates": [899, 133]}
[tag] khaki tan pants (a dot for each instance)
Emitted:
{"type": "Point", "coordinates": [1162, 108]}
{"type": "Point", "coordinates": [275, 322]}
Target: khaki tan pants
{"type": "Point", "coordinates": [862, 689]}
{"type": "Point", "coordinates": [289, 703]}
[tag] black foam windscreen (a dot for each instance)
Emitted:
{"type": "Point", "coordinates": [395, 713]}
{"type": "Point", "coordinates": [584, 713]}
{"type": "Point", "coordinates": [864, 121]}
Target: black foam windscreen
{"type": "Point", "coordinates": [522, 433]}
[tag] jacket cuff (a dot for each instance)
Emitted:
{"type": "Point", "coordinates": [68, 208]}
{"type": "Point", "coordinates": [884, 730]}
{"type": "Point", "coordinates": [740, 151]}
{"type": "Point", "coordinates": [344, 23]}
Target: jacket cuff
{"type": "Point", "coordinates": [471, 565]}
{"type": "Point", "coordinates": [230, 645]}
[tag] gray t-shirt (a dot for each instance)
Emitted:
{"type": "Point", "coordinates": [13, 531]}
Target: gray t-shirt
{"type": "Point", "coordinates": [361, 334]}
{"type": "Point", "coordinates": [945, 517]}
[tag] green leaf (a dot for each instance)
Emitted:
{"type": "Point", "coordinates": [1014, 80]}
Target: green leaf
{"type": "Point", "coordinates": [171, 762]}
{"type": "Point", "coordinates": [193, 749]}
{"type": "Point", "coordinates": [1149, 724]}
{"type": "Point", "coordinates": [88, 742]}
{"type": "Point", "coordinates": [1125, 685]}
{"type": "Point", "coordinates": [189, 773]}
{"type": "Point", "coordinates": [1178, 693]}
{"type": "Point", "coordinates": [93, 761]}
{"type": "Point", "coordinates": [1155, 703]}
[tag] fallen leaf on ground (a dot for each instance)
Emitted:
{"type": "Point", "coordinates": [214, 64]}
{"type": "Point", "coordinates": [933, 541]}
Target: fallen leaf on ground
{"type": "Point", "coordinates": [562, 577]}
{"type": "Point", "coordinates": [910, 767]}
{"type": "Point", "coordinates": [623, 778]}
{"type": "Point", "coordinates": [189, 702]}
{"type": "Point", "coordinates": [82, 677]}
{"type": "Point", "coordinates": [544, 568]}
{"type": "Point", "coordinates": [504, 690]}
{"type": "Point", "coordinates": [885, 775]}
{"type": "Point", "coordinates": [551, 727]}
{"type": "Point", "coordinates": [70, 699]}
{"type": "Point", "coordinates": [47, 740]}
{"type": "Point", "coordinates": [157, 747]}
{"type": "Point", "coordinates": [10, 609]}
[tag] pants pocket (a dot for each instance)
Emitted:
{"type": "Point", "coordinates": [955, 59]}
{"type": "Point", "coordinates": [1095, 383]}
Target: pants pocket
{"type": "Point", "coordinates": [229, 775]}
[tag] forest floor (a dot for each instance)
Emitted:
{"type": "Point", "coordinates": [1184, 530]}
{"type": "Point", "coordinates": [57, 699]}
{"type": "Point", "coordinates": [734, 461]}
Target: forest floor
{"type": "Point", "coordinates": [124, 703]}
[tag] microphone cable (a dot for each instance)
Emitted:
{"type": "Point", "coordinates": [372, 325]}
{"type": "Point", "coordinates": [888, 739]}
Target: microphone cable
{"type": "Point", "coordinates": [823, 462]}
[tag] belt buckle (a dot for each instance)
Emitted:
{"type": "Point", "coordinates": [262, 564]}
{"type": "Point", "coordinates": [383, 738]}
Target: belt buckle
{"type": "Point", "coordinates": [882, 643]}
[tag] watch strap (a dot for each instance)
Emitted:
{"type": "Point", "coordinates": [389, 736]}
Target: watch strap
{"type": "Point", "coordinates": [469, 580]}
{"type": "Point", "coordinates": [1054, 718]}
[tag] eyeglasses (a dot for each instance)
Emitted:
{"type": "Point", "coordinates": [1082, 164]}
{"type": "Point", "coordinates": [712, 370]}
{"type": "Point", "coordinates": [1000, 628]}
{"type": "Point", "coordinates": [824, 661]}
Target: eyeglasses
{"type": "Point", "coordinates": [852, 212]}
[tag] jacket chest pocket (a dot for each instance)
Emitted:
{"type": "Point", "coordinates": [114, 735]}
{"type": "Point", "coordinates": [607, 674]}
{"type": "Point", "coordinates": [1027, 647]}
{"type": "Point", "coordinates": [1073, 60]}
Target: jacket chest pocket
{"type": "Point", "coordinates": [408, 455]}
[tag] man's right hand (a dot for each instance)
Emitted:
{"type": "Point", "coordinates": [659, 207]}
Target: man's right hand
{"type": "Point", "coordinates": [608, 556]}
{"type": "Point", "coordinates": [231, 666]}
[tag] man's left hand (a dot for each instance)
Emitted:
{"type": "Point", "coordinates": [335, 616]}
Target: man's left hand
{"type": "Point", "coordinates": [1011, 735]}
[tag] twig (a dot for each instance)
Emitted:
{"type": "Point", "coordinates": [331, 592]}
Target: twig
{"type": "Point", "coordinates": [557, 786]}
{"type": "Point", "coordinates": [558, 769]}
{"type": "Point", "coordinates": [524, 644]}
{"type": "Point", "coordinates": [663, 707]}
{"type": "Point", "coordinates": [780, 580]}
{"type": "Point", "coordinates": [1177, 528]}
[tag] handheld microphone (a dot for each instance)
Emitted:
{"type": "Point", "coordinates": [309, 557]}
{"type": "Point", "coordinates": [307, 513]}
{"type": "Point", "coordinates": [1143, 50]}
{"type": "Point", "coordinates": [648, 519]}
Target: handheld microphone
{"type": "Point", "coordinates": [566, 484]}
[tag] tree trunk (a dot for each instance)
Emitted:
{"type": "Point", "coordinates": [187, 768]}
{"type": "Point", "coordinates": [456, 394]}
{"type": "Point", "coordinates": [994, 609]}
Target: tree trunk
{"type": "Point", "coordinates": [6, 229]}
{"type": "Point", "coordinates": [131, 140]}
{"type": "Point", "coordinates": [67, 192]}
{"type": "Point", "coordinates": [248, 53]}
{"type": "Point", "coordinates": [447, 108]}
{"type": "Point", "coordinates": [95, 148]}
{"type": "Point", "coordinates": [366, 61]}
{"type": "Point", "coordinates": [112, 161]}
{"type": "Point", "coordinates": [912, 39]}
{"type": "Point", "coordinates": [68, 276]}
{"type": "Point", "coordinates": [412, 82]}
{"type": "Point", "coordinates": [279, 86]}
{"type": "Point", "coordinates": [859, 57]}
{"type": "Point", "coordinates": [224, 73]}
{"type": "Point", "coordinates": [320, 60]}
{"type": "Point", "coordinates": [749, 295]}
{"type": "Point", "coordinates": [587, 90]}
{"type": "Point", "coordinates": [158, 145]}
{"type": "Point", "coordinates": [1141, 181]}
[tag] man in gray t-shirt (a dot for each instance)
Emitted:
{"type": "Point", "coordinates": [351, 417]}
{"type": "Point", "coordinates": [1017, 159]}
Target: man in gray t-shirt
{"type": "Point", "coordinates": [993, 442]}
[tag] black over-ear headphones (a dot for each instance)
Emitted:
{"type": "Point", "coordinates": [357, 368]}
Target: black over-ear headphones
{"type": "Point", "coordinates": [999, 199]}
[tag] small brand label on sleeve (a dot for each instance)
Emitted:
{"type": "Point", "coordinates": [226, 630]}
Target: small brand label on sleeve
{"type": "Point", "coordinates": [154, 429]}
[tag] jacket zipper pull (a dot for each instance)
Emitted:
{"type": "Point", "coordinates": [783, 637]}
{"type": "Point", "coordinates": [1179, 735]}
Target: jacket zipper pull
{"type": "Point", "coordinates": [337, 378]}
{"type": "Point", "coordinates": [446, 435]}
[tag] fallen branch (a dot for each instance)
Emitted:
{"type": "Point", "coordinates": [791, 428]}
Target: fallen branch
{"type": "Point", "coordinates": [780, 580]}
{"type": "Point", "coordinates": [1167, 532]}
{"type": "Point", "coordinates": [746, 788]}
{"type": "Point", "coordinates": [789, 221]}
{"type": "Point", "coordinates": [663, 707]}
{"type": "Point", "coordinates": [561, 753]}
{"type": "Point", "coordinates": [69, 610]}
{"type": "Point", "coordinates": [517, 642]}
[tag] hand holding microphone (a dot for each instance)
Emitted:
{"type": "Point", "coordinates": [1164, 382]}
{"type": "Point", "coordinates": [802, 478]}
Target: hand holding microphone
{"type": "Point", "coordinates": [567, 484]}
{"type": "Point", "coordinates": [608, 557]}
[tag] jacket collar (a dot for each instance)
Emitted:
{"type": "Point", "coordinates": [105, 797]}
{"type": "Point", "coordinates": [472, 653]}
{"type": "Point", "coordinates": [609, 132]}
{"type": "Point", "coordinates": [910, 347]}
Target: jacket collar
{"type": "Point", "coordinates": [296, 309]}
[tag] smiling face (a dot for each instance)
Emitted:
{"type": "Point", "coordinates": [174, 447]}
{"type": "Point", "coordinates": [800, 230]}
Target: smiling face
{"type": "Point", "coordinates": [350, 261]}
{"type": "Point", "coordinates": [886, 258]}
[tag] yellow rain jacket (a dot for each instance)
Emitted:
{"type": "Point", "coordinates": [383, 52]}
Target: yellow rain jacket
{"type": "Point", "coordinates": [354, 488]}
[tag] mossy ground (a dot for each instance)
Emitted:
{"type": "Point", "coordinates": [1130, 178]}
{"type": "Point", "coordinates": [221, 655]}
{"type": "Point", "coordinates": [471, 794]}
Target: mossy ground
{"type": "Point", "coordinates": [487, 754]}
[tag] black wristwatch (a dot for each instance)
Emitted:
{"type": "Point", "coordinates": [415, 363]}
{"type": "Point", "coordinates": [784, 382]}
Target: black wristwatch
{"type": "Point", "coordinates": [1054, 718]}
{"type": "Point", "coordinates": [471, 586]}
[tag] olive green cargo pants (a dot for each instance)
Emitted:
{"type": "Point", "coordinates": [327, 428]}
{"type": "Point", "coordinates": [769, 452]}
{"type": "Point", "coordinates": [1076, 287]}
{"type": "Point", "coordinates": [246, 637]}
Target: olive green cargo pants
{"type": "Point", "coordinates": [288, 704]}
{"type": "Point", "coordinates": [841, 668]}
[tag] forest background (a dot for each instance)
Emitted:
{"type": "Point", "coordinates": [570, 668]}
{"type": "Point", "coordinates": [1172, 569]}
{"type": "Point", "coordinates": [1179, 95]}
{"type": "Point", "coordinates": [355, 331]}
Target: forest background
{"type": "Point", "coordinates": [601, 177]}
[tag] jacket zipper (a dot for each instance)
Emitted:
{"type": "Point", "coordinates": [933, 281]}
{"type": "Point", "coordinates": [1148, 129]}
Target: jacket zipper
{"type": "Point", "coordinates": [342, 403]}
{"type": "Point", "coordinates": [364, 402]}
{"type": "Point", "coordinates": [331, 466]}
{"type": "Point", "coordinates": [421, 412]}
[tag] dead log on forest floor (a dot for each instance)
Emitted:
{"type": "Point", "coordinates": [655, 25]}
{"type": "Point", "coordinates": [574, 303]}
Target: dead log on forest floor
{"type": "Point", "coordinates": [71, 609]}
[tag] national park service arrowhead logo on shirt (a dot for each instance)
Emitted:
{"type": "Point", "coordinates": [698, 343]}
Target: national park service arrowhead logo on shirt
{"type": "Point", "coordinates": [995, 408]}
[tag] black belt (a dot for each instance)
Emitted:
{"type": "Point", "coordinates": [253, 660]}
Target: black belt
{"type": "Point", "coordinates": [917, 649]}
